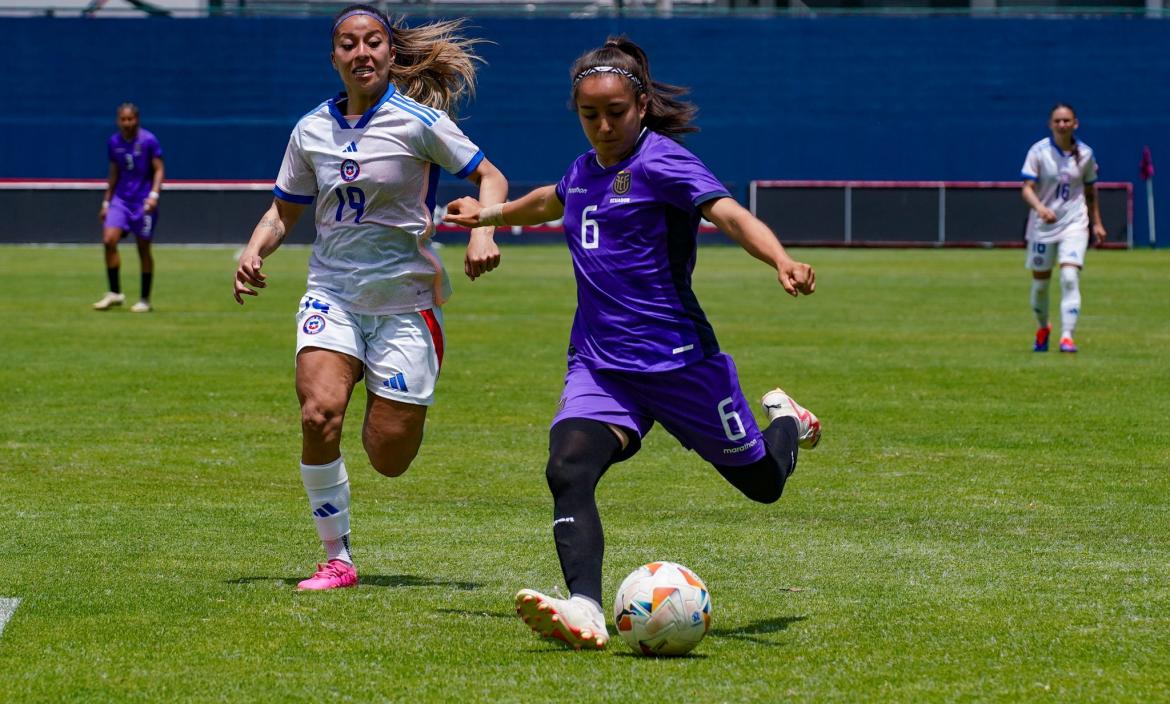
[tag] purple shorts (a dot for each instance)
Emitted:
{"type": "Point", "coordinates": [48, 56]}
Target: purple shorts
{"type": "Point", "coordinates": [131, 220]}
{"type": "Point", "coordinates": [701, 404]}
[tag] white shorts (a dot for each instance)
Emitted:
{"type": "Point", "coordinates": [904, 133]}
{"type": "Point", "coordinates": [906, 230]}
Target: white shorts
{"type": "Point", "coordinates": [401, 354]}
{"type": "Point", "coordinates": [1069, 249]}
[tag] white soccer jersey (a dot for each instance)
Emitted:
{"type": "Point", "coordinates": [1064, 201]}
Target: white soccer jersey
{"type": "Point", "coordinates": [374, 181]}
{"type": "Point", "coordinates": [1060, 184]}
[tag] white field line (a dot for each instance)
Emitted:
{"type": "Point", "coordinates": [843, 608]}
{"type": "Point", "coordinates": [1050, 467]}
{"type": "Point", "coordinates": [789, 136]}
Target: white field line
{"type": "Point", "coordinates": [7, 608]}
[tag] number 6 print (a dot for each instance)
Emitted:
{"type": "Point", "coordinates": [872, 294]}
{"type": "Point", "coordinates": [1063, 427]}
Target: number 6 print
{"type": "Point", "coordinates": [590, 232]}
{"type": "Point", "coordinates": [727, 417]}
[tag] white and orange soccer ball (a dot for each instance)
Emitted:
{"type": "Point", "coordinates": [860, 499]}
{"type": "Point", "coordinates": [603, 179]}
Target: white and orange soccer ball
{"type": "Point", "coordinates": [662, 608]}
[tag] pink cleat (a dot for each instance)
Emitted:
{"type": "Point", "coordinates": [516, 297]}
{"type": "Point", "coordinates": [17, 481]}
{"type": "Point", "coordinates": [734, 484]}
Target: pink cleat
{"type": "Point", "coordinates": [577, 621]}
{"type": "Point", "coordinates": [777, 403]}
{"type": "Point", "coordinates": [1042, 339]}
{"type": "Point", "coordinates": [1067, 344]}
{"type": "Point", "coordinates": [332, 575]}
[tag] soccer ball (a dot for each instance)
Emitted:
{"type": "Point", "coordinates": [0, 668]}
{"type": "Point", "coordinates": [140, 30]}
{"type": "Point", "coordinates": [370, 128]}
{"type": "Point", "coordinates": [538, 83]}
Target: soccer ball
{"type": "Point", "coordinates": [662, 608]}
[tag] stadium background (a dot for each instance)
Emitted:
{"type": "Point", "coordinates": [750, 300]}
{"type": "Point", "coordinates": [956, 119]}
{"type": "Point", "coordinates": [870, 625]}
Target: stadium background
{"type": "Point", "coordinates": [841, 97]}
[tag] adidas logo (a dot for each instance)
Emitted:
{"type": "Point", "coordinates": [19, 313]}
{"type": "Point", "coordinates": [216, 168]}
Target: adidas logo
{"type": "Point", "coordinates": [351, 147]}
{"type": "Point", "coordinates": [396, 382]}
{"type": "Point", "coordinates": [326, 510]}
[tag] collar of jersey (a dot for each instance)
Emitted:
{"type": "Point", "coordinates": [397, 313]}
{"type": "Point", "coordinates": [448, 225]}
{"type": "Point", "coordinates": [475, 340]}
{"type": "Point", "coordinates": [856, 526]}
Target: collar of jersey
{"type": "Point", "coordinates": [365, 119]}
{"type": "Point", "coordinates": [633, 152]}
{"type": "Point", "coordinates": [1056, 146]}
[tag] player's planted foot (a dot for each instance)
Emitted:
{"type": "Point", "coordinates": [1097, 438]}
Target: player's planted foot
{"type": "Point", "coordinates": [110, 300]}
{"type": "Point", "coordinates": [576, 621]}
{"type": "Point", "coordinates": [331, 575]}
{"type": "Point", "coordinates": [777, 403]}
{"type": "Point", "coordinates": [1067, 345]}
{"type": "Point", "coordinates": [1042, 339]}
{"type": "Point", "coordinates": [142, 306]}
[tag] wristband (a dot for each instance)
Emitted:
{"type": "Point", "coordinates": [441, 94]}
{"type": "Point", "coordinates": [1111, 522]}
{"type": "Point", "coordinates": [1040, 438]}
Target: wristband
{"type": "Point", "coordinates": [105, 203]}
{"type": "Point", "coordinates": [492, 216]}
{"type": "Point", "coordinates": [152, 194]}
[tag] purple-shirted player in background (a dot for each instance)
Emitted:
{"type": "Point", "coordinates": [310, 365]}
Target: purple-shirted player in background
{"type": "Point", "coordinates": [130, 204]}
{"type": "Point", "coordinates": [641, 350]}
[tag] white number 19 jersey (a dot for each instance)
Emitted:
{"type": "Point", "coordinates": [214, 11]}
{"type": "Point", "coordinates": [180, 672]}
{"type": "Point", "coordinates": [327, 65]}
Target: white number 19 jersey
{"type": "Point", "coordinates": [374, 181]}
{"type": "Point", "coordinates": [1060, 184]}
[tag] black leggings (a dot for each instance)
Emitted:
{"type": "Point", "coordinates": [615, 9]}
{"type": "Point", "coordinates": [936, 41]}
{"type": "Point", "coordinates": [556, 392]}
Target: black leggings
{"type": "Point", "coordinates": [580, 452]}
{"type": "Point", "coordinates": [763, 480]}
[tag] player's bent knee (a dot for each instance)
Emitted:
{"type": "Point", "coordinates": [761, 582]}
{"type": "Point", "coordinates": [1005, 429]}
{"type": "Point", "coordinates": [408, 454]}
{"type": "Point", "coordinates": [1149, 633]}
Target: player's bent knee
{"type": "Point", "coordinates": [390, 453]}
{"type": "Point", "coordinates": [579, 453]}
{"type": "Point", "coordinates": [560, 473]}
{"type": "Point", "coordinates": [320, 421]}
{"type": "Point", "coordinates": [566, 471]}
{"type": "Point", "coordinates": [762, 481]}
{"type": "Point", "coordinates": [388, 461]}
{"type": "Point", "coordinates": [769, 495]}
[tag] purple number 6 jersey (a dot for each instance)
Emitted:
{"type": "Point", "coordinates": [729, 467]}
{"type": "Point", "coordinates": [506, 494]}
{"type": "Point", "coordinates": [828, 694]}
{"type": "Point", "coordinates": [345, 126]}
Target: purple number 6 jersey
{"type": "Point", "coordinates": [632, 230]}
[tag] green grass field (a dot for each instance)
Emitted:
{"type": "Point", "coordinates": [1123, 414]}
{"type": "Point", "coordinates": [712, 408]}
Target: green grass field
{"type": "Point", "coordinates": [980, 523]}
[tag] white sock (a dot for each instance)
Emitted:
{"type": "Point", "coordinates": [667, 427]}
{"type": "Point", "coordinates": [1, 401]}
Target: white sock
{"type": "Point", "coordinates": [1040, 301]}
{"type": "Point", "coordinates": [1070, 300]}
{"type": "Point", "coordinates": [328, 488]}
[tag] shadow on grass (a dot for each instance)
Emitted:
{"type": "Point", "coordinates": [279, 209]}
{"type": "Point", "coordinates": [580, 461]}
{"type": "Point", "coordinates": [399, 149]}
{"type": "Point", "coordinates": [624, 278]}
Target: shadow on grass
{"type": "Point", "coordinates": [509, 615]}
{"type": "Point", "coordinates": [375, 580]}
{"type": "Point", "coordinates": [751, 631]}
{"type": "Point", "coordinates": [626, 651]}
{"type": "Point", "coordinates": [617, 648]}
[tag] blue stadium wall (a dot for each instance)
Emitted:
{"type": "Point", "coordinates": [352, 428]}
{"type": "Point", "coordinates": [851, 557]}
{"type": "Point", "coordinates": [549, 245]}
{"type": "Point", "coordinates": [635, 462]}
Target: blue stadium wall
{"type": "Point", "coordinates": [819, 98]}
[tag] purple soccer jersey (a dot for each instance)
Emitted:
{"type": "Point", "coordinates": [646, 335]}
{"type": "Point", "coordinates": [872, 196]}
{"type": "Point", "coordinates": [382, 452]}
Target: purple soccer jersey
{"type": "Point", "coordinates": [632, 230]}
{"type": "Point", "coordinates": [641, 350]}
{"type": "Point", "coordinates": [134, 162]}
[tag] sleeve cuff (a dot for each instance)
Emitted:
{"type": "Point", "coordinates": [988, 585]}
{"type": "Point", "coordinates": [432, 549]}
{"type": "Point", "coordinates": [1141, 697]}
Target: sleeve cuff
{"type": "Point", "coordinates": [710, 196]}
{"type": "Point", "coordinates": [291, 197]}
{"type": "Point", "coordinates": [466, 170]}
{"type": "Point", "coordinates": [1028, 176]}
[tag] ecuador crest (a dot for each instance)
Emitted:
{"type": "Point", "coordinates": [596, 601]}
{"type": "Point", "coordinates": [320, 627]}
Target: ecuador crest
{"type": "Point", "coordinates": [621, 183]}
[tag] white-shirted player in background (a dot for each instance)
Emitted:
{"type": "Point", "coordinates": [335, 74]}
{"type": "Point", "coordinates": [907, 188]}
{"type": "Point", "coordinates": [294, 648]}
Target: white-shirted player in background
{"type": "Point", "coordinates": [370, 159]}
{"type": "Point", "coordinates": [1059, 176]}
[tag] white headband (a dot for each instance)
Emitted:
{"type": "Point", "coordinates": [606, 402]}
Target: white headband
{"type": "Point", "coordinates": [608, 69]}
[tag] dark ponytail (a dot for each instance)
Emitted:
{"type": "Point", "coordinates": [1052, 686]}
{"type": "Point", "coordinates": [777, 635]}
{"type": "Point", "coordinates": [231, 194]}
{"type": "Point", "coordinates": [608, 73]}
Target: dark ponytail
{"type": "Point", "coordinates": [665, 112]}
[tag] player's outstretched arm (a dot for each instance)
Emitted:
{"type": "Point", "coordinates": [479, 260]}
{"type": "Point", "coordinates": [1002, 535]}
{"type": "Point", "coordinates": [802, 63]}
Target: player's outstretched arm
{"type": "Point", "coordinates": [758, 240]}
{"type": "Point", "coordinates": [535, 207]}
{"type": "Point", "coordinates": [483, 254]}
{"type": "Point", "coordinates": [268, 235]}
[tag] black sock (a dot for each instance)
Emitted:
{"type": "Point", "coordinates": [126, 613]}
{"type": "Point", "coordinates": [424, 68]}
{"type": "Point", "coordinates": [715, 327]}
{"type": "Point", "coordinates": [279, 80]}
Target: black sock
{"type": "Point", "coordinates": [763, 480]}
{"type": "Point", "coordinates": [147, 280]}
{"type": "Point", "coordinates": [114, 279]}
{"type": "Point", "coordinates": [579, 453]}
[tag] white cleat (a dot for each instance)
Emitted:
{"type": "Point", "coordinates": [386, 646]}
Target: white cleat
{"type": "Point", "coordinates": [777, 403]}
{"type": "Point", "coordinates": [576, 621]}
{"type": "Point", "coordinates": [142, 306]}
{"type": "Point", "coordinates": [110, 300]}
